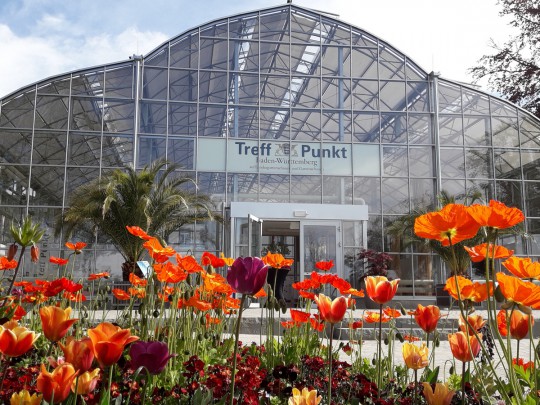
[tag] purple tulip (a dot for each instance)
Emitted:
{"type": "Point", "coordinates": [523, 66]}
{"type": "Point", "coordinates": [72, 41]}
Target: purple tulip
{"type": "Point", "coordinates": [151, 355]}
{"type": "Point", "coordinates": [247, 275]}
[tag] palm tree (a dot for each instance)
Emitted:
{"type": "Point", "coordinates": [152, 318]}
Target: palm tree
{"type": "Point", "coordinates": [151, 198]}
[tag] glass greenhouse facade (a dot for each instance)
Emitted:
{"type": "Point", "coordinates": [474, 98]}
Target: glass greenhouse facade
{"type": "Point", "coordinates": [321, 130]}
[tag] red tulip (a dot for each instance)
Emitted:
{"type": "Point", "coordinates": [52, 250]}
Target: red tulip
{"type": "Point", "coordinates": [427, 317]}
{"type": "Point", "coordinates": [380, 290]}
{"type": "Point", "coordinates": [108, 342]}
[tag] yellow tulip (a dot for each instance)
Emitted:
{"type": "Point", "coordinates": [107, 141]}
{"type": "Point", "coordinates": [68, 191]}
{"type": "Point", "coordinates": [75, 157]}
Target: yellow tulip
{"type": "Point", "coordinates": [306, 397]}
{"type": "Point", "coordinates": [24, 398]}
{"type": "Point", "coordinates": [415, 357]}
{"type": "Point", "coordinates": [441, 396]}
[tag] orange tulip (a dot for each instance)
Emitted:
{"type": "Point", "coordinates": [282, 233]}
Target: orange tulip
{"type": "Point", "coordinates": [440, 396]}
{"type": "Point", "coordinates": [16, 340]}
{"type": "Point", "coordinates": [476, 292]}
{"type": "Point", "coordinates": [519, 291]}
{"type": "Point", "coordinates": [427, 317]}
{"type": "Point", "coordinates": [86, 383]}
{"type": "Point", "coordinates": [56, 386]}
{"type": "Point", "coordinates": [464, 347]}
{"type": "Point", "coordinates": [496, 215]}
{"type": "Point", "coordinates": [55, 322]}
{"type": "Point", "coordinates": [78, 352]}
{"type": "Point", "coordinates": [453, 222]}
{"type": "Point", "coordinates": [108, 342]}
{"type": "Point", "coordinates": [474, 324]}
{"type": "Point", "coordinates": [519, 323]}
{"type": "Point", "coordinates": [415, 357]}
{"type": "Point", "coordinates": [522, 267]}
{"type": "Point", "coordinates": [380, 290]}
{"type": "Point", "coordinates": [24, 398]}
{"type": "Point", "coordinates": [331, 311]}
{"type": "Point", "coordinates": [480, 252]}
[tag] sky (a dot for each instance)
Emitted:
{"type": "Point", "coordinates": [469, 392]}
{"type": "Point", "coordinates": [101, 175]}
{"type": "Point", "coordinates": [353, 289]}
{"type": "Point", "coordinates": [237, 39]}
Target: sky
{"type": "Point", "coordinates": [43, 38]}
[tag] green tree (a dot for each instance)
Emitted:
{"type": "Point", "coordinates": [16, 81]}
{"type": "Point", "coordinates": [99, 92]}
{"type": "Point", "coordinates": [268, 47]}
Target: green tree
{"type": "Point", "coordinates": [151, 198]}
{"type": "Point", "coordinates": [514, 69]}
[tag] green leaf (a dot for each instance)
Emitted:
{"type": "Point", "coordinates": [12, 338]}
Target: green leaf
{"type": "Point", "coordinates": [432, 375]}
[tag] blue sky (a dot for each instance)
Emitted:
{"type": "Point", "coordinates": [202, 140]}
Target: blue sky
{"type": "Point", "coordinates": [42, 38]}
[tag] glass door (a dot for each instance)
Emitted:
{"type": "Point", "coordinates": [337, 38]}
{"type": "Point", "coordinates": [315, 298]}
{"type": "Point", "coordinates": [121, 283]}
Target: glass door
{"type": "Point", "coordinates": [254, 236]}
{"type": "Point", "coordinates": [320, 241]}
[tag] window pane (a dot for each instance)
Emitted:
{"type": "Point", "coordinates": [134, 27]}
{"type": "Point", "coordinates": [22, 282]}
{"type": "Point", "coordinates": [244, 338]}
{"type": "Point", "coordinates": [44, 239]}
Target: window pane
{"type": "Point", "coordinates": [505, 132]}
{"type": "Point", "coordinates": [155, 83]}
{"type": "Point", "coordinates": [184, 53]}
{"type": "Point", "coordinates": [365, 94]}
{"type": "Point", "coordinates": [49, 148]}
{"type": "Point", "coordinates": [47, 185]}
{"type": "Point", "coordinates": [391, 64]}
{"type": "Point", "coordinates": [274, 188]}
{"type": "Point", "coordinates": [306, 189]}
{"type": "Point", "coordinates": [153, 118]}
{"type": "Point", "coordinates": [119, 81]}
{"type": "Point", "coordinates": [364, 63]}
{"type": "Point", "coordinates": [242, 187]}
{"type": "Point", "coordinates": [478, 163]}
{"type": "Point", "coordinates": [212, 120]}
{"type": "Point", "coordinates": [392, 96]}
{"type": "Point", "coordinates": [336, 93]}
{"type": "Point", "coordinates": [450, 130]}
{"type": "Point", "coordinates": [422, 192]}
{"type": "Point", "coordinates": [18, 112]}
{"type": "Point", "coordinates": [183, 85]}
{"type": "Point", "coordinates": [14, 184]}
{"type": "Point", "coordinates": [246, 89]}
{"type": "Point", "coordinates": [117, 150]}
{"type": "Point", "coordinates": [15, 146]}
{"type": "Point", "coordinates": [420, 162]}
{"type": "Point", "coordinates": [509, 193]}
{"type": "Point", "coordinates": [212, 184]}
{"type": "Point", "coordinates": [530, 162]}
{"type": "Point", "coordinates": [507, 164]}
{"type": "Point", "coordinates": [52, 112]}
{"type": "Point", "coordinates": [367, 190]}
{"type": "Point", "coordinates": [475, 103]}
{"type": "Point", "coordinates": [274, 123]}
{"type": "Point", "coordinates": [337, 190]}
{"type": "Point", "coordinates": [449, 98]}
{"type": "Point", "coordinates": [182, 119]}
{"type": "Point", "coordinates": [532, 200]}
{"type": "Point", "coordinates": [181, 151]}
{"type": "Point", "coordinates": [305, 125]}
{"type": "Point", "coordinates": [77, 176]}
{"type": "Point", "coordinates": [394, 128]}
{"type": "Point", "coordinates": [118, 116]}
{"type": "Point", "coordinates": [418, 96]}
{"type": "Point", "coordinates": [452, 163]}
{"type": "Point", "coordinates": [420, 129]}
{"type": "Point", "coordinates": [395, 162]}
{"type": "Point", "coordinates": [476, 131]}
{"type": "Point", "coordinates": [366, 127]}
{"type": "Point", "coordinates": [395, 196]}
{"type": "Point", "coordinates": [86, 114]}
{"type": "Point", "coordinates": [150, 149]}
{"type": "Point", "coordinates": [529, 132]}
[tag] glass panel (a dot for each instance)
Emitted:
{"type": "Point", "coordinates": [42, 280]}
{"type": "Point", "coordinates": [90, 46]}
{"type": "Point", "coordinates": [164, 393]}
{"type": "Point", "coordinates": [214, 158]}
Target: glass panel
{"type": "Point", "coordinates": [59, 86]}
{"type": "Point", "coordinates": [367, 190]}
{"type": "Point", "coordinates": [150, 149]}
{"type": "Point", "coordinates": [255, 236]}
{"type": "Point", "coordinates": [364, 63]}
{"type": "Point", "coordinates": [88, 84]}
{"type": "Point", "coordinates": [245, 123]}
{"type": "Point", "coordinates": [49, 148]}
{"type": "Point", "coordinates": [414, 72]}
{"type": "Point", "coordinates": [449, 98]}
{"type": "Point", "coordinates": [420, 162]}
{"type": "Point", "coordinates": [337, 190]}
{"type": "Point", "coordinates": [242, 187]}
{"type": "Point", "coordinates": [478, 163]}
{"type": "Point", "coordinates": [86, 114]}
{"type": "Point", "coordinates": [361, 38]}
{"type": "Point", "coordinates": [335, 61]}
{"type": "Point", "coordinates": [509, 193]}
{"type": "Point", "coordinates": [507, 164]}
{"type": "Point", "coordinates": [275, 25]}
{"type": "Point", "coordinates": [153, 118]}
{"type": "Point", "coordinates": [245, 56]}
{"type": "Point", "coordinates": [420, 129]}
{"type": "Point", "coordinates": [305, 59]}
{"type": "Point", "coordinates": [394, 128]}
{"type": "Point", "coordinates": [505, 132]}
{"type": "Point", "coordinates": [306, 189]}
{"type": "Point", "coordinates": [395, 162]}
{"type": "Point", "coordinates": [374, 233]}
{"type": "Point", "coordinates": [275, 58]}
{"type": "Point", "coordinates": [119, 81]}
{"type": "Point", "coordinates": [218, 29]}
{"type": "Point", "coordinates": [47, 185]}
{"type": "Point", "coordinates": [335, 33]}
{"type": "Point", "coordinates": [158, 58]}
{"type": "Point", "coordinates": [183, 85]}
{"type": "Point", "coordinates": [366, 127]}
{"type": "Point", "coordinates": [14, 184]}
{"type": "Point", "coordinates": [450, 130]}
{"type": "Point", "coordinates": [117, 150]}
{"type": "Point", "coordinates": [475, 103]}
{"type": "Point", "coordinates": [533, 242]}
{"type": "Point", "coordinates": [336, 93]}
{"type": "Point", "coordinates": [274, 188]}
{"type": "Point", "coordinates": [452, 163]}
{"type": "Point", "coordinates": [214, 54]}
{"type": "Point", "coordinates": [15, 146]}
{"type": "Point", "coordinates": [154, 83]}
{"type": "Point", "coordinates": [453, 187]}
{"type": "Point", "coordinates": [208, 236]}
{"type": "Point", "coordinates": [77, 176]}
{"type": "Point", "coordinates": [182, 119]}
{"type": "Point", "coordinates": [532, 200]}
{"type": "Point", "coordinates": [501, 108]}
{"type": "Point", "coordinates": [274, 124]}
{"type": "Point", "coordinates": [391, 65]}
{"type": "Point", "coordinates": [18, 112]}
{"type": "Point", "coordinates": [529, 132]}
{"type": "Point", "coordinates": [305, 28]}
{"type": "Point", "coordinates": [422, 193]}
{"type": "Point", "coordinates": [395, 196]}
{"type": "Point", "coordinates": [185, 52]}
{"type": "Point", "coordinates": [485, 188]}
{"type": "Point", "coordinates": [182, 152]}
{"type": "Point", "coordinates": [244, 27]}
{"type": "Point", "coordinates": [320, 244]}
{"type": "Point", "coordinates": [52, 112]}
{"type": "Point", "coordinates": [275, 91]}
{"type": "Point", "coordinates": [476, 131]}
{"type": "Point", "coordinates": [246, 89]}
{"type": "Point", "coordinates": [365, 94]}
{"type": "Point", "coordinates": [305, 125]}
{"type": "Point", "coordinates": [530, 163]}
{"type": "Point", "coordinates": [392, 96]}
{"type": "Point", "coordinates": [336, 126]}
{"type": "Point", "coordinates": [418, 96]}
{"type": "Point", "coordinates": [118, 116]}
{"type": "Point", "coordinates": [212, 121]}
{"type": "Point", "coordinates": [212, 184]}
{"type": "Point", "coordinates": [306, 92]}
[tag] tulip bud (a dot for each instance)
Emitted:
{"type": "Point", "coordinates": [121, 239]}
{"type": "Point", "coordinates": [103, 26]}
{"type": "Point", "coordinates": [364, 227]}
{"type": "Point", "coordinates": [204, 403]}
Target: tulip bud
{"type": "Point", "coordinates": [386, 341]}
{"type": "Point", "coordinates": [526, 310]}
{"type": "Point", "coordinates": [34, 253]}
{"type": "Point", "coordinates": [499, 297]}
{"type": "Point", "coordinates": [402, 310]}
{"type": "Point", "coordinates": [12, 251]}
{"type": "Point", "coordinates": [400, 337]}
{"type": "Point", "coordinates": [451, 371]}
{"type": "Point", "coordinates": [155, 313]}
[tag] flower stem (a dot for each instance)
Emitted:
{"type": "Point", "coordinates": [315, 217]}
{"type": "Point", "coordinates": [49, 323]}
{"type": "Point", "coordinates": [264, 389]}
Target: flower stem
{"type": "Point", "coordinates": [330, 364]}
{"type": "Point", "coordinates": [235, 352]}
{"type": "Point", "coordinates": [379, 354]}
{"type": "Point", "coordinates": [463, 383]}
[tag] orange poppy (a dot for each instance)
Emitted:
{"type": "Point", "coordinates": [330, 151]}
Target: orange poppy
{"type": "Point", "coordinates": [6, 264]}
{"type": "Point", "coordinates": [519, 323]}
{"type": "Point", "coordinates": [108, 342]}
{"type": "Point", "coordinates": [496, 215]}
{"type": "Point", "coordinates": [427, 317]}
{"type": "Point", "coordinates": [391, 312]}
{"type": "Point", "coordinates": [522, 267]}
{"type": "Point", "coordinates": [479, 252]}
{"type": "Point", "coordinates": [331, 311]}
{"type": "Point", "coordinates": [519, 291]}
{"type": "Point", "coordinates": [137, 231]}
{"type": "Point", "coordinates": [307, 295]}
{"type": "Point", "coordinates": [56, 386]}
{"type": "Point", "coordinates": [97, 276]}
{"type": "Point", "coordinates": [411, 338]}
{"type": "Point", "coordinates": [299, 316]}
{"type": "Point", "coordinates": [16, 340]}
{"type": "Point", "coordinates": [137, 292]}
{"type": "Point", "coordinates": [521, 363]}
{"type": "Point", "coordinates": [277, 260]}
{"type": "Point", "coordinates": [216, 283]}
{"type": "Point", "coordinates": [380, 290]}
{"type": "Point", "coordinates": [76, 247]}
{"type": "Point", "coordinates": [316, 324]}
{"type": "Point", "coordinates": [169, 273]}
{"type": "Point", "coordinates": [474, 324]}
{"type": "Point", "coordinates": [55, 322]}
{"type": "Point", "coordinates": [374, 317]}
{"type": "Point", "coordinates": [356, 325]}
{"type": "Point", "coordinates": [156, 250]}
{"type": "Point", "coordinates": [306, 284]}
{"type": "Point", "coordinates": [137, 281]}
{"type": "Point", "coordinates": [189, 264]}
{"type": "Point", "coordinates": [475, 292]}
{"type": "Point", "coordinates": [464, 347]}
{"type": "Point", "coordinates": [324, 266]}
{"type": "Point", "coordinates": [58, 260]}
{"type": "Point", "coordinates": [212, 260]}
{"type": "Point", "coordinates": [228, 260]}
{"type": "Point", "coordinates": [121, 294]}
{"type": "Point", "coordinates": [452, 222]}
{"type": "Point", "coordinates": [78, 352]}
{"type": "Point", "coordinates": [260, 294]}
